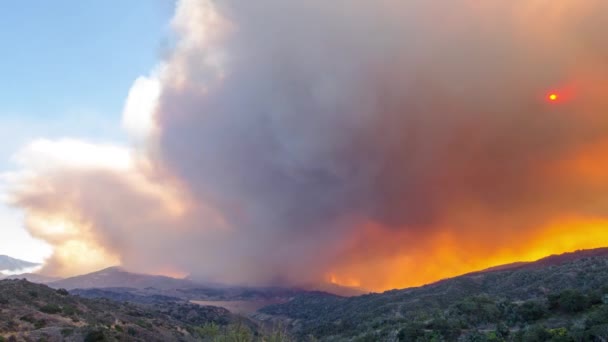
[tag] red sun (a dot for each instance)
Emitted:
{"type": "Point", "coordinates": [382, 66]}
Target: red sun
{"type": "Point", "coordinates": [552, 97]}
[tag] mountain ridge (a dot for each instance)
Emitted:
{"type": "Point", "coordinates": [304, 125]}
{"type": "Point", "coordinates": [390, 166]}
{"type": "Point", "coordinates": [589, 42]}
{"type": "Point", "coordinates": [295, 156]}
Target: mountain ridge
{"type": "Point", "coordinates": [560, 294]}
{"type": "Point", "coordinates": [116, 276]}
{"type": "Point", "coordinates": [10, 265]}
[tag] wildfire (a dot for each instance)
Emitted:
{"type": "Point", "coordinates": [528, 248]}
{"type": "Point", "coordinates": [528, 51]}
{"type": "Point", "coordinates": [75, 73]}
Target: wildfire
{"type": "Point", "coordinates": [447, 255]}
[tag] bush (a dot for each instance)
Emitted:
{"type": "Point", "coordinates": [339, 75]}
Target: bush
{"type": "Point", "coordinates": [531, 311]}
{"type": "Point", "coordinates": [597, 333]}
{"type": "Point", "coordinates": [569, 301]}
{"type": "Point", "coordinates": [411, 332]}
{"type": "Point", "coordinates": [477, 310]}
{"type": "Point", "coordinates": [598, 317]}
{"type": "Point", "coordinates": [51, 309]}
{"type": "Point", "coordinates": [536, 333]}
{"type": "Point", "coordinates": [208, 330]}
{"type": "Point", "coordinates": [69, 310]}
{"type": "Point", "coordinates": [66, 332]}
{"type": "Point", "coordinates": [95, 336]}
{"type": "Point", "coordinates": [63, 292]}
{"type": "Point", "coordinates": [449, 329]}
{"type": "Point", "coordinates": [39, 324]}
{"type": "Point", "coordinates": [28, 318]}
{"type": "Point", "coordinates": [131, 331]}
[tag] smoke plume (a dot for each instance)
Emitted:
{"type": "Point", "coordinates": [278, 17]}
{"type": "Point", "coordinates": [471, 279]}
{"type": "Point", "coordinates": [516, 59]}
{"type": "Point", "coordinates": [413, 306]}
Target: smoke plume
{"type": "Point", "coordinates": [371, 143]}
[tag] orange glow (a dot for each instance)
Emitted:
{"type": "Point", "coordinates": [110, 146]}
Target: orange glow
{"type": "Point", "coordinates": [169, 271]}
{"type": "Point", "coordinates": [553, 97]}
{"type": "Point", "coordinates": [447, 254]}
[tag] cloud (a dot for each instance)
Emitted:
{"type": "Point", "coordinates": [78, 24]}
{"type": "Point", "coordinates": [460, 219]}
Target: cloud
{"type": "Point", "coordinates": [380, 144]}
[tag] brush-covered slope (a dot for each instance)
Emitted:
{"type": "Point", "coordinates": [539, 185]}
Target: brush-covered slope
{"type": "Point", "coordinates": [561, 298]}
{"type": "Point", "coordinates": [34, 312]}
{"type": "Point", "coordinates": [118, 277]}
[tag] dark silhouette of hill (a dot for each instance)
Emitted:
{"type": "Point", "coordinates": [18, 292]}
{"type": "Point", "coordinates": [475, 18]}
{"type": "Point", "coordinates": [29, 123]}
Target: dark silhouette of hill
{"type": "Point", "coordinates": [8, 264]}
{"type": "Point", "coordinates": [34, 312]}
{"type": "Point", "coordinates": [116, 277]}
{"type": "Point", "coordinates": [565, 295]}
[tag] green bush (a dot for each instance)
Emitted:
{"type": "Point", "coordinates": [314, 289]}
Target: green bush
{"type": "Point", "coordinates": [536, 333]}
{"type": "Point", "coordinates": [39, 324]}
{"type": "Point", "coordinates": [95, 336]}
{"type": "Point", "coordinates": [449, 329]}
{"type": "Point", "coordinates": [597, 333]}
{"type": "Point", "coordinates": [411, 332]}
{"type": "Point", "coordinates": [531, 311]}
{"type": "Point", "coordinates": [131, 331]}
{"type": "Point", "coordinates": [63, 292]}
{"type": "Point", "coordinates": [51, 309]}
{"type": "Point", "coordinates": [569, 301]}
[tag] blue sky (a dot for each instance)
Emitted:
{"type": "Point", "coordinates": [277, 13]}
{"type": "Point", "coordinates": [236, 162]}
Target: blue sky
{"type": "Point", "coordinates": [65, 71]}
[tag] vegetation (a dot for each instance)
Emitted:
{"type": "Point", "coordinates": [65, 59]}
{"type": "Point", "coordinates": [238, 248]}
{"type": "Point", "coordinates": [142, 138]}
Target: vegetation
{"type": "Point", "coordinates": [35, 312]}
{"type": "Point", "coordinates": [32, 312]}
{"type": "Point", "coordinates": [565, 302]}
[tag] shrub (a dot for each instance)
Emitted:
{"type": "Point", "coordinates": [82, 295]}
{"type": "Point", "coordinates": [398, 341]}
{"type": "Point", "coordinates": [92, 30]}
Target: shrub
{"type": "Point", "coordinates": [597, 333]}
{"type": "Point", "coordinates": [51, 309]}
{"type": "Point", "coordinates": [95, 336]}
{"type": "Point", "coordinates": [63, 292]}
{"type": "Point", "coordinates": [449, 329]}
{"type": "Point", "coordinates": [66, 332]}
{"type": "Point", "coordinates": [411, 332]}
{"type": "Point", "coordinates": [569, 301]}
{"type": "Point", "coordinates": [209, 330]}
{"type": "Point", "coordinates": [69, 310]}
{"type": "Point", "coordinates": [27, 318]}
{"type": "Point", "coordinates": [39, 324]}
{"type": "Point", "coordinates": [131, 331]}
{"type": "Point", "coordinates": [531, 311]}
{"type": "Point", "coordinates": [536, 333]}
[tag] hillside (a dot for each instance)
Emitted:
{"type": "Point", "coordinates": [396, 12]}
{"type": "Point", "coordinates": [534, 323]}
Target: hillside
{"type": "Point", "coordinates": [563, 295]}
{"type": "Point", "coordinates": [8, 264]}
{"type": "Point", "coordinates": [34, 278]}
{"type": "Point", "coordinates": [558, 298]}
{"type": "Point", "coordinates": [118, 277]}
{"type": "Point", "coordinates": [36, 312]}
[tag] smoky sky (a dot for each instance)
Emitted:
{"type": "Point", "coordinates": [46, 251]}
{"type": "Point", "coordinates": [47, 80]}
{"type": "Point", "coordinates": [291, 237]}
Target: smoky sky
{"type": "Point", "coordinates": [284, 126]}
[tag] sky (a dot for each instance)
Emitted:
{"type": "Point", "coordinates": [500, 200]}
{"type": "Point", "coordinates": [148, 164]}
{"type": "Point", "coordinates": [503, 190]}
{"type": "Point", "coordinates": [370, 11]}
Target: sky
{"type": "Point", "coordinates": [67, 67]}
{"type": "Point", "coordinates": [389, 144]}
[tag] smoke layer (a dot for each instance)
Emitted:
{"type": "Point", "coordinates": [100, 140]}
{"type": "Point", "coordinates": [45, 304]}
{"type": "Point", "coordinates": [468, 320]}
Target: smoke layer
{"type": "Point", "coordinates": [371, 143]}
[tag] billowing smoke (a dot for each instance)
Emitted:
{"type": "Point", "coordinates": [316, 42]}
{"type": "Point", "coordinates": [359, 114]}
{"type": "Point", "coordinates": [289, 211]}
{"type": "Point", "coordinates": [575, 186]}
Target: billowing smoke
{"type": "Point", "coordinates": [373, 143]}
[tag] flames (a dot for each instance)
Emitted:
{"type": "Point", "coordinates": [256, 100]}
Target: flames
{"type": "Point", "coordinates": [446, 254]}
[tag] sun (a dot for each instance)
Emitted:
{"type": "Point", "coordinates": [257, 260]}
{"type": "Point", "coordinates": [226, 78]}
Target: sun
{"type": "Point", "coordinates": [553, 97]}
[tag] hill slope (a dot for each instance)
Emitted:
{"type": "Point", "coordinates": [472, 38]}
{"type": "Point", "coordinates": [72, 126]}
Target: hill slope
{"type": "Point", "coordinates": [34, 278]}
{"type": "Point", "coordinates": [8, 264]}
{"type": "Point", "coordinates": [564, 292]}
{"type": "Point", "coordinates": [35, 312]}
{"type": "Point", "coordinates": [118, 277]}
